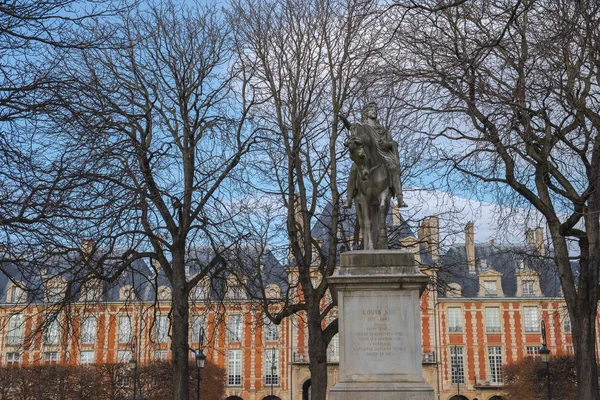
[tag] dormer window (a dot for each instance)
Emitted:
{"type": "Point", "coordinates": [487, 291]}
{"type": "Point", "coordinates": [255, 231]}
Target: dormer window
{"type": "Point", "coordinates": [528, 288]}
{"type": "Point", "coordinates": [272, 291]}
{"type": "Point", "coordinates": [490, 284]}
{"type": "Point", "coordinates": [92, 291]}
{"type": "Point", "coordinates": [126, 293]}
{"type": "Point", "coordinates": [235, 290]}
{"type": "Point", "coordinates": [164, 293]}
{"type": "Point", "coordinates": [15, 294]}
{"type": "Point", "coordinates": [55, 289]}
{"type": "Point", "coordinates": [490, 288]}
{"type": "Point", "coordinates": [528, 283]}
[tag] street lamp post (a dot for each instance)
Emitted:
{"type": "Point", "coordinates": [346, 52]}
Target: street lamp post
{"type": "Point", "coordinates": [200, 359]}
{"type": "Point", "coordinates": [133, 365]}
{"type": "Point", "coordinates": [545, 355]}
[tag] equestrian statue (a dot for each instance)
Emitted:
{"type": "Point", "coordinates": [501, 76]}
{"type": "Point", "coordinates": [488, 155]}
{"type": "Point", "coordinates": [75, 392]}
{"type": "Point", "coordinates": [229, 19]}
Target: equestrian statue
{"type": "Point", "coordinates": [374, 176]}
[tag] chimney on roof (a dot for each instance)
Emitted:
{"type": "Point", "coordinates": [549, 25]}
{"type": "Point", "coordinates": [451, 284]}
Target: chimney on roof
{"type": "Point", "coordinates": [470, 246]}
{"type": "Point", "coordinates": [434, 226]}
{"type": "Point", "coordinates": [87, 247]}
{"type": "Point", "coordinates": [539, 241]}
{"type": "Point", "coordinates": [429, 235]}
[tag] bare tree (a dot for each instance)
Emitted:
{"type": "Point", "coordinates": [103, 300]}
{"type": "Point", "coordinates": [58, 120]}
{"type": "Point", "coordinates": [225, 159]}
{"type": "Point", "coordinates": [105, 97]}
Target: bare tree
{"type": "Point", "coordinates": [513, 91]}
{"type": "Point", "coordinates": [159, 128]}
{"type": "Point", "coordinates": [307, 58]}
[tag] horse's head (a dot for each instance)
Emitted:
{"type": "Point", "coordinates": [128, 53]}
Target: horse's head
{"type": "Point", "coordinates": [358, 154]}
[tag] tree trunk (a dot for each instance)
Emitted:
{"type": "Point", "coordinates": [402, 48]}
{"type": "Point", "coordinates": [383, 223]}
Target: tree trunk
{"type": "Point", "coordinates": [317, 351]}
{"type": "Point", "coordinates": [179, 330]}
{"type": "Point", "coordinates": [584, 339]}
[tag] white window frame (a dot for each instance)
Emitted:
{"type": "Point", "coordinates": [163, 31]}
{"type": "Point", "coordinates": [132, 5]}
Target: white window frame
{"type": "Point", "coordinates": [234, 328]}
{"type": "Point", "coordinates": [161, 329]}
{"type": "Point", "coordinates": [495, 364]}
{"type": "Point", "coordinates": [12, 357]}
{"type": "Point", "coordinates": [566, 323]}
{"type": "Point", "coordinates": [51, 357]}
{"type": "Point", "coordinates": [271, 331]}
{"type": "Point", "coordinates": [197, 322]}
{"type": "Point", "coordinates": [15, 294]}
{"type": "Point", "coordinates": [52, 333]}
{"type": "Point", "coordinates": [457, 365]}
{"type": "Point", "coordinates": [528, 287]}
{"type": "Point", "coordinates": [89, 326]}
{"type": "Point", "coordinates": [492, 320]}
{"type": "Point", "coordinates": [199, 292]}
{"type": "Point", "coordinates": [87, 357]}
{"type": "Point", "coordinates": [271, 360]}
{"type": "Point", "coordinates": [490, 288]}
{"type": "Point", "coordinates": [14, 331]}
{"type": "Point", "coordinates": [161, 354]}
{"type": "Point", "coordinates": [123, 356]}
{"type": "Point", "coordinates": [455, 319]}
{"type": "Point", "coordinates": [235, 292]}
{"type": "Point", "coordinates": [125, 332]}
{"type": "Point", "coordinates": [234, 368]}
{"type": "Point", "coordinates": [531, 322]}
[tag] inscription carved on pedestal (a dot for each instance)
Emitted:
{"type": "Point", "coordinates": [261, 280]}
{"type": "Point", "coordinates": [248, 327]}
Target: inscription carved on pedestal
{"type": "Point", "coordinates": [380, 331]}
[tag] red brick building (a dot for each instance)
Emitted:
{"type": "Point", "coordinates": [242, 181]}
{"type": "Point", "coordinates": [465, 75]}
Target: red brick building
{"type": "Point", "coordinates": [483, 310]}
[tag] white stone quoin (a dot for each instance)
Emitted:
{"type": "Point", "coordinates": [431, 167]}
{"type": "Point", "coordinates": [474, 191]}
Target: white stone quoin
{"type": "Point", "coordinates": [379, 326]}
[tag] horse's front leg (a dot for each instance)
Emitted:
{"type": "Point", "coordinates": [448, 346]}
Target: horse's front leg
{"type": "Point", "coordinates": [367, 224]}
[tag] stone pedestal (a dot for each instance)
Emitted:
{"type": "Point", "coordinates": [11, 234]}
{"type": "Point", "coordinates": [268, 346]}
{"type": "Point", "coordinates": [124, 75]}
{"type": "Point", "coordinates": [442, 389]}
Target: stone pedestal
{"type": "Point", "coordinates": [379, 326]}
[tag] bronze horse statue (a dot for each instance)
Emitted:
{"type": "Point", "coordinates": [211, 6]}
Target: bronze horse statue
{"type": "Point", "coordinates": [373, 187]}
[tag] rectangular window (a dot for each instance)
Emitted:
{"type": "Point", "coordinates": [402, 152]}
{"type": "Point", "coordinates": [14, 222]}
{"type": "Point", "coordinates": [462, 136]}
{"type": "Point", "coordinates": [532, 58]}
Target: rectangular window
{"type": "Point", "coordinates": [490, 288]}
{"type": "Point", "coordinates": [52, 334]}
{"type": "Point", "coordinates": [161, 354]}
{"type": "Point", "coordinates": [12, 358]}
{"type": "Point", "coordinates": [495, 364]}
{"type": "Point", "coordinates": [125, 330]}
{"type": "Point", "coordinates": [454, 319]}
{"type": "Point", "coordinates": [532, 351]}
{"type": "Point", "coordinates": [161, 329]}
{"type": "Point", "coordinates": [197, 323]}
{"type": "Point", "coordinates": [14, 333]}
{"type": "Point", "coordinates": [457, 365]}
{"type": "Point", "coordinates": [123, 356]}
{"type": "Point", "coordinates": [532, 323]}
{"type": "Point", "coordinates": [272, 367]}
{"type": "Point", "coordinates": [528, 288]}
{"type": "Point", "coordinates": [333, 350]}
{"type": "Point", "coordinates": [88, 330]}
{"type": "Point", "coordinates": [492, 319]}
{"type": "Point", "coordinates": [567, 324]}
{"type": "Point", "coordinates": [234, 368]}
{"type": "Point", "coordinates": [234, 328]}
{"type": "Point", "coordinates": [51, 357]}
{"type": "Point", "coordinates": [271, 331]}
{"type": "Point", "coordinates": [87, 357]}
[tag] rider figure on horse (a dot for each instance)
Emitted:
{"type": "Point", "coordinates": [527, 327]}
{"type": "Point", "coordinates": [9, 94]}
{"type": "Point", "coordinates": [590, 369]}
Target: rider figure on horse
{"type": "Point", "coordinates": [386, 146]}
